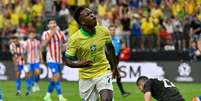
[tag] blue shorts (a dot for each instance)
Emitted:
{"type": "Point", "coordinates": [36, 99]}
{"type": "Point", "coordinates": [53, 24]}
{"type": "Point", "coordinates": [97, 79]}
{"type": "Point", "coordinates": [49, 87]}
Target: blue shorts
{"type": "Point", "coordinates": [54, 67]}
{"type": "Point", "coordinates": [33, 67]}
{"type": "Point", "coordinates": [19, 68]}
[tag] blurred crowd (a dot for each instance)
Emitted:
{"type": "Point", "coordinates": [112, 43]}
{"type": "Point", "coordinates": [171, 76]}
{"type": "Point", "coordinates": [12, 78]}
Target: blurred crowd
{"type": "Point", "coordinates": [144, 25]}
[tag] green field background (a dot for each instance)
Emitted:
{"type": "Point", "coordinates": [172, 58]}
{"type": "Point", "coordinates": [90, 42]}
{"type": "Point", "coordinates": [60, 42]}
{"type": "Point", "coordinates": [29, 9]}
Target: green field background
{"type": "Point", "coordinates": [70, 91]}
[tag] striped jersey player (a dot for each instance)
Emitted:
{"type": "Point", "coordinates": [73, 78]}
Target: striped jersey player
{"type": "Point", "coordinates": [54, 47]}
{"type": "Point", "coordinates": [53, 39]}
{"type": "Point", "coordinates": [32, 46]}
{"type": "Point", "coordinates": [18, 52]}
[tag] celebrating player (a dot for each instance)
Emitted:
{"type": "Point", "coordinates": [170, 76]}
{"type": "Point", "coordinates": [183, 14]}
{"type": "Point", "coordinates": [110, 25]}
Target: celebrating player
{"type": "Point", "coordinates": [18, 57]}
{"type": "Point", "coordinates": [163, 90]}
{"type": "Point", "coordinates": [87, 46]}
{"type": "Point", "coordinates": [117, 46]}
{"type": "Point", "coordinates": [53, 39]}
{"type": "Point", "coordinates": [32, 46]}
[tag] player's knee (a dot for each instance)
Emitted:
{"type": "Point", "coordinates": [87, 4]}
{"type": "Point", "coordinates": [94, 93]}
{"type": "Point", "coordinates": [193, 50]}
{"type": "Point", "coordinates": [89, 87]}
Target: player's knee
{"type": "Point", "coordinates": [106, 98]}
{"type": "Point", "coordinates": [37, 72]}
{"type": "Point", "coordinates": [27, 75]}
{"type": "Point", "coordinates": [56, 77]}
{"type": "Point", "coordinates": [106, 95]}
{"type": "Point", "coordinates": [17, 74]}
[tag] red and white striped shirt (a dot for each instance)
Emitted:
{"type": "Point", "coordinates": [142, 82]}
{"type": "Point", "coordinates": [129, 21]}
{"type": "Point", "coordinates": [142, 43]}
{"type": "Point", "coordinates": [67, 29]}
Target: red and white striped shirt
{"type": "Point", "coordinates": [18, 51]}
{"type": "Point", "coordinates": [33, 48]}
{"type": "Point", "coordinates": [54, 53]}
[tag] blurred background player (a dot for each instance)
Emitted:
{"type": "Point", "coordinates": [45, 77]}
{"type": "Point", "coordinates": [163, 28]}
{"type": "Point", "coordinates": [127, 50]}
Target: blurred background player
{"type": "Point", "coordinates": [32, 46]}
{"type": "Point", "coordinates": [18, 56]}
{"type": "Point", "coordinates": [87, 46]}
{"type": "Point", "coordinates": [163, 90]}
{"type": "Point", "coordinates": [116, 41]}
{"type": "Point", "coordinates": [53, 39]}
{"type": "Point", "coordinates": [196, 98]}
{"type": "Point", "coordinates": [1, 95]}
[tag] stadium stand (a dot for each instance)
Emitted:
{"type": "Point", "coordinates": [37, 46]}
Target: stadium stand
{"type": "Point", "coordinates": [147, 26]}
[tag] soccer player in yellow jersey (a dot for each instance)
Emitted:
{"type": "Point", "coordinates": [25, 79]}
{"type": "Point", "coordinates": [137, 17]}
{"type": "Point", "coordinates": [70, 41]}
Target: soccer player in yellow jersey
{"type": "Point", "coordinates": [86, 49]}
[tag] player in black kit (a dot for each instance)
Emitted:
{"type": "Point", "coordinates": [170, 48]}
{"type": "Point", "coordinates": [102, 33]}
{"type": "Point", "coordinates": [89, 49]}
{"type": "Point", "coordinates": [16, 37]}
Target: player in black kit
{"type": "Point", "coordinates": [161, 90]}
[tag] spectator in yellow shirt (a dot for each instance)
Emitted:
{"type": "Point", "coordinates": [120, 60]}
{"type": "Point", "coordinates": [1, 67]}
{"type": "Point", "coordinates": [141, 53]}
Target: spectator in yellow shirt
{"type": "Point", "coordinates": [156, 12]}
{"type": "Point", "coordinates": [176, 8]}
{"type": "Point", "coordinates": [190, 6]}
{"type": "Point", "coordinates": [82, 2]}
{"type": "Point", "coordinates": [102, 8]}
{"type": "Point", "coordinates": [147, 28]}
{"type": "Point", "coordinates": [1, 20]}
{"type": "Point", "coordinates": [14, 18]}
{"type": "Point", "coordinates": [37, 8]}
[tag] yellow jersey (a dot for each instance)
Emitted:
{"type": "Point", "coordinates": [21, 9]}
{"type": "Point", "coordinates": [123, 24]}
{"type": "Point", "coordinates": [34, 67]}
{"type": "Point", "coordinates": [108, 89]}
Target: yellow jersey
{"type": "Point", "coordinates": [82, 46]}
{"type": "Point", "coordinates": [147, 27]}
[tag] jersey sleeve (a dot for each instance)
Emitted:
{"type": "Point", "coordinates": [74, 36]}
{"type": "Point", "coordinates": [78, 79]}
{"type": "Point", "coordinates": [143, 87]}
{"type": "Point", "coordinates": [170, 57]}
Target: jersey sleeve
{"type": "Point", "coordinates": [71, 49]}
{"type": "Point", "coordinates": [107, 35]}
{"type": "Point", "coordinates": [147, 86]}
{"type": "Point", "coordinates": [44, 36]}
{"type": "Point", "coordinates": [12, 49]}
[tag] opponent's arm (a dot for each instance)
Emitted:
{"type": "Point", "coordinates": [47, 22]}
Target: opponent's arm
{"type": "Point", "coordinates": [45, 42]}
{"type": "Point", "coordinates": [147, 96]}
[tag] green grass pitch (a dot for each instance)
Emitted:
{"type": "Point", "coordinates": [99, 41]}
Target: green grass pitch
{"type": "Point", "coordinates": [70, 91]}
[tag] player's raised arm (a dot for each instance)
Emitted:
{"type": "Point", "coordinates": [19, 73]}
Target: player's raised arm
{"type": "Point", "coordinates": [147, 96]}
{"type": "Point", "coordinates": [45, 40]}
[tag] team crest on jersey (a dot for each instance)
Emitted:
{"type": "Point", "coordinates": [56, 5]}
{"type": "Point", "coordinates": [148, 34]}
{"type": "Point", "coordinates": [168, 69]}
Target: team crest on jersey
{"type": "Point", "coordinates": [93, 48]}
{"type": "Point", "coordinates": [93, 52]}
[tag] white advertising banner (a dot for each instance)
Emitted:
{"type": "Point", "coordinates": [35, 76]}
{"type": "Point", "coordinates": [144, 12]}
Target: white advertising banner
{"type": "Point", "coordinates": [3, 69]}
{"type": "Point", "coordinates": [129, 71]}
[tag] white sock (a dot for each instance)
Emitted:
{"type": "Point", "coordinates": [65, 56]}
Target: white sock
{"type": "Point", "coordinates": [60, 96]}
{"type": "Point", "coordinates": [48, 94]}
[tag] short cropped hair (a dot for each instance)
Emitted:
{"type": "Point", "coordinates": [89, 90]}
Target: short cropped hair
{"type": "Point", "coordinates": [141, 78]}
{"type": "Point", "coordinates": [51, 19]}
{"type": "Point", "coordinates": [112, 25]}
{"type": "Point", "coordinates": [76, 14]}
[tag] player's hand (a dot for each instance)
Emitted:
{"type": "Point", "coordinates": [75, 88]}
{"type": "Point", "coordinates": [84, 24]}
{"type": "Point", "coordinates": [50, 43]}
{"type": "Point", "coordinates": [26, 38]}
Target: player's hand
{"type": "Point", "coordinates": [115, 73]}
{"type": "Point", "coordinates": [84, 63]}
{"type": "Point", "coordinates": [51, 34]}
